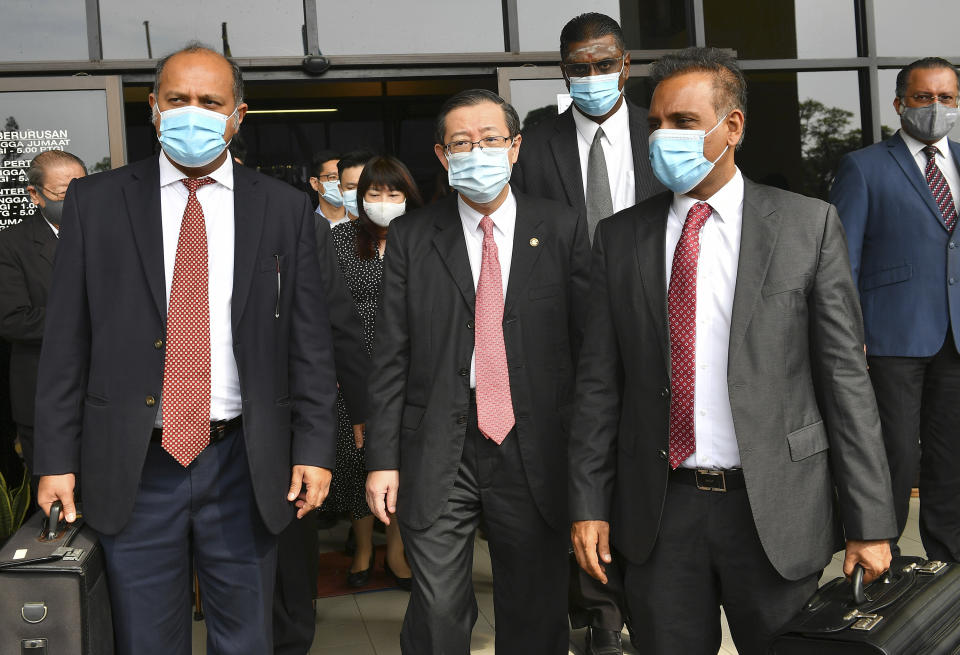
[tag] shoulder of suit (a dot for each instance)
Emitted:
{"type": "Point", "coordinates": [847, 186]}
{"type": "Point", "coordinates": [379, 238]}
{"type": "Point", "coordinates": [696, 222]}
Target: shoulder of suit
{"type": "Point", "coordinates": [798, 205]}
{"type": "Point", "coordinates": [275, 187]}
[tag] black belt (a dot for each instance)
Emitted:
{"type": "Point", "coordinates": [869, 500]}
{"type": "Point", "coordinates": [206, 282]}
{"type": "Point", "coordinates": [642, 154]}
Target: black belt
{"type": "Point", "coordinates": [710, 480]}
{"type": "Point", "coordinates": [218, 430]}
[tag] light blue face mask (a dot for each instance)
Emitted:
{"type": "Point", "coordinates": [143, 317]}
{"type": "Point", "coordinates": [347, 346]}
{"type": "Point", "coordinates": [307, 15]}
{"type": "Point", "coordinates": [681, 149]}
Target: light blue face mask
{"type": "Point", "coordinates": [350, 201]}
{"type": "Point", "coordinates": [331, 193]}
{"type": "Point", "coordinates": [192, 136]}
{"type": "Point", "coordinates": [677, 157]}
{"type": "Point", "coordinates": [480, 174]}
{"type": "Point", "coordinates": [595, 95]}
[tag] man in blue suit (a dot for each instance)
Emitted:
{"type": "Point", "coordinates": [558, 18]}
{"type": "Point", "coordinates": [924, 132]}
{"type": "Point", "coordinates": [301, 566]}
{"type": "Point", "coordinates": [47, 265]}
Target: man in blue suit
{"type": "Point", "coordinates": [898, 203]}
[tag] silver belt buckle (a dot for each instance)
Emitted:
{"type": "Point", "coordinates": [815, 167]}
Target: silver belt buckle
{"type": "Point", "coordinates": [708, 480]}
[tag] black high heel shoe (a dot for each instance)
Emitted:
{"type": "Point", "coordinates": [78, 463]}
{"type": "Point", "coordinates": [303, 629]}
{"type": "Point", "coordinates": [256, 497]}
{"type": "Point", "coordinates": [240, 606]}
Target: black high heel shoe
{"type": "Point", "coordinates": [404, 583]}
{"type": "Point", "coordinates": [362, 578]}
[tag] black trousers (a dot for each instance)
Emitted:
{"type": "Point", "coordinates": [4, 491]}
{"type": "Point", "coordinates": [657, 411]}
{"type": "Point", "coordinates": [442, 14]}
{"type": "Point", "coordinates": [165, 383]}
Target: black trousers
{"type": "Point", "coordinates": [594, 604]}
{"type": "Point", "coordinates": [708, 554]}
{"type": "Point", "coordinates": [294, 617]}
{"type": "Point", "coordinates": [919, 402]}
{"type": "Point", "coordinates": [528, 556]}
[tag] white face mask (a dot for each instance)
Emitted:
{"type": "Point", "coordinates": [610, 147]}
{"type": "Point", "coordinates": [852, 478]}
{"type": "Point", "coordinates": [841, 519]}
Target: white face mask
{"type": "Point", "coordinates": [382, 213]}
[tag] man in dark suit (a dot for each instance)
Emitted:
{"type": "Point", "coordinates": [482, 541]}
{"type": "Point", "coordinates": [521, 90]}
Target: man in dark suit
{"type": "Point", "coordinates": [187, 374]}
{"type": "Point", "coordinates": [898, 202]}
{"type": "Point", "coordinates": [26, 265]}
{"type": "Point", "coordinates": [724, 426]}
{"type": "Point", "coordinates": [470, 392]}
{"type": "Point", "coordinates": [556, 163]}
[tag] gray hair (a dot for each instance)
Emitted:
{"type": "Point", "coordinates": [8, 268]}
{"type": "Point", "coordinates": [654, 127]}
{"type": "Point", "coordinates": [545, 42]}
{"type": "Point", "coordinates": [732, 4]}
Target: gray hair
{"type": "Point", "coordinates": [472, 97]}
{"type": "Point", "coordinates": [194, 47]}
{"type": "Point", "coordinates": [36, 174]}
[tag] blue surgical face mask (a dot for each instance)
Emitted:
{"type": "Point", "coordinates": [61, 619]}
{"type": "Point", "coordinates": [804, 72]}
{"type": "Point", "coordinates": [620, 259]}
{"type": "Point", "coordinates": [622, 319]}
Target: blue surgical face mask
{"type": "Point", "coordinates": [331, 193]}
{"type": "Point", "coordinates": [350, 201]}
{"type": "Point", "coordinates": [677, 157]}
{"type": "Point", "coordinates": [480, 174]}
{"type": "Point", "coordinates": [595, 95]}
{"type": "Point", "coordinates": [192, 136]}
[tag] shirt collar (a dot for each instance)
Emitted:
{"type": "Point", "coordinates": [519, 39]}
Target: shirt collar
{"type": "Point", "coordinates": [56, 230]}
{"type": "Point", "coordinates": [727, 202]}
{"type": "Point", "coordinates": [170, 174]}
{"type": "Point", "coordinates": [915, 146]}
{"type": "Point", "coordinates": [504, 218]}
{"type": "Point", "coordinates": [615, 127]}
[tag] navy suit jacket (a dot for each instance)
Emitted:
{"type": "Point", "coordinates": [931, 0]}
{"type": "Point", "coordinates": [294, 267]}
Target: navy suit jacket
{"type": "Point", "coordinates": [101, 367]}
{"type": "Point", "coordinates": [905, 262]}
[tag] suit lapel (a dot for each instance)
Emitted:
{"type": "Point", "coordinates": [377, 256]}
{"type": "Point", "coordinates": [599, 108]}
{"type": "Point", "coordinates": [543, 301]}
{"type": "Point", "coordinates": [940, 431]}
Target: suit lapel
{"type": "Point", "coordinates": [638, 145]}
{"type": "Point", "coordinates": [651, 234]}
{"type": "Point", "coordinates": [142, 197]}
{"type": "Point", "coordinates": [900, 152]}
{"type": "Point", "coordinates": [248, 216]}
{"type": "Point", "coordinates": [566, 155]}
{"type": "Point", "coordinates": [758, 239]}
{"type": "Point", "coordinates": [44, 240]}
{"type": "Point", "coordinates": [450, 244]}
{"type": "Point", "coordinates": [529, 226]}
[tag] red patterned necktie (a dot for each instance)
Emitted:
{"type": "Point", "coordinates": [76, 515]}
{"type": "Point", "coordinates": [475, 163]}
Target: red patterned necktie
{"type": "Point", "coordinates": [939, 187]}
{"type": "Point", "coordinates": [682, 309]}
{"type": "Point", "coordinates": [186, 369]}
{"type": "Point", "coordinates": [494, 403]}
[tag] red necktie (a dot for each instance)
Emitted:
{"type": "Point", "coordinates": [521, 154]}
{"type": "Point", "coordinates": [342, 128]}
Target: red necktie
{"type": "Point", "coordinates": [682, 309]}
{"type": "Point", "coordinates": [186, 369]}
{"type": "Point", "coordinates": [494, 403]}
{"type": "Point", "coordinates": [939, 187]}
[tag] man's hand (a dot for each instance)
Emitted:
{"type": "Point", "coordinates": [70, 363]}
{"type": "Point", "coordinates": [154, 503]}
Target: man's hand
{"type": "Point", "coordinates": [58, 487]}
{"type": "Point", "coordinates": [358, 435]}
{"type": "Point", "coordinates": [873, 556]}
{"type": "Point", "coordinates": [382, 493]}
{"type": "Point", "coordinates": [309, 485]}
{"type": "Point", "coordinates": [591, 544]}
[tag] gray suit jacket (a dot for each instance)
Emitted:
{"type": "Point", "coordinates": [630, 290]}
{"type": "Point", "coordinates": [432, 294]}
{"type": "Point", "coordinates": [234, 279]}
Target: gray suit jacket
{"type": "Point", "coordinates": [805, 414]}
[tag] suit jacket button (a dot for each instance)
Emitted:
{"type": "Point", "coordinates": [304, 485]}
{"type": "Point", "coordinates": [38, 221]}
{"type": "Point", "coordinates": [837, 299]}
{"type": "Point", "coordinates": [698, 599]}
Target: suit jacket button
{"type": "Point", "coordinates": [469, 325]}
{"type": "Point", "coordinates": [464, 372]}
{"type": "Point", "coordinates": [953, 244]}
{"type": "Point", "coordinates": [462, 420]}
{"type": "Point", "coordinates": [664, 392]}
{"type": "Point", "coordinates": [150, 401]}
{"type": "Point", "coordinates": [158, 344]}
{"type": "Point", "coordinates": [663, 454]}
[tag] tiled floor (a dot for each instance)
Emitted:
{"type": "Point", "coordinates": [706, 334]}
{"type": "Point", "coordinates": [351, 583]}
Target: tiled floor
{"type": "Point", "coordinates": [369, 623]}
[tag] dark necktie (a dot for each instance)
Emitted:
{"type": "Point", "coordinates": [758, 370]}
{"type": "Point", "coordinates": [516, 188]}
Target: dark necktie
{"type": "Point", "coordinates": [186, 368]}
{"type": "Point", "coordinates": [940, 189]}
{"type": "Point", "coordinates": [599, 204]}
{"type": "Point", "coordinates": [682, 310]}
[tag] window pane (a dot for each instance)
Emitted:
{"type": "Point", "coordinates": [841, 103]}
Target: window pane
{"type": "Point", "coordinates": [888, 115]}
{"type": "Point", "coordinates": [34, 121]}
{"type": "Point", "coordinates": [654, 24]}
{"type": "Point", "coordinates": [368, 27]}
{"type": "Point", "coordinates": [924, 28]}
{"type": "Point", "coordinates": [536, 100]}
{"type": "Point", "coordinates": [250, 31]}
{"type": "Point", "coordinates": [540, 21]}
{"type": "Point", "coordinates": [43, 30]}
{"type": "Point", "coordinates": [825, 28]}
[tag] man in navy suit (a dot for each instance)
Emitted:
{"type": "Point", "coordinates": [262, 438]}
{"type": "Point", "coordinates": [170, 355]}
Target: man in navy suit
{"type": "Point", "coordinates": [187, 373]}
{"type": "Point", "coordinates": [898, 203]}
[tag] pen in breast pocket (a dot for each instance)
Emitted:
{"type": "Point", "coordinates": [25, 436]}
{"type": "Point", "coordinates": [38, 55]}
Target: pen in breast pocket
{"type": "Point", "coordinates": [276, 312]}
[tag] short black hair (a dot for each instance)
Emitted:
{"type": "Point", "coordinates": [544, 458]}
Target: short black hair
{"type": "Point", "coordinates": [36, 174]}
{"type": "Point", "coordinates": [320, 158]}
{"type": "Point", "coordinates": [730, 86]}
{"type": "Point", "coordinates": [472, 97]}
{"type": "Point", "coordinates": [194, 47]}
{"type": "Point", "coordinates": [590, 25]}
{"type": "Point", "coordinates": [903, 77]}
{"type": "Point", "coordinates": [358, 157]}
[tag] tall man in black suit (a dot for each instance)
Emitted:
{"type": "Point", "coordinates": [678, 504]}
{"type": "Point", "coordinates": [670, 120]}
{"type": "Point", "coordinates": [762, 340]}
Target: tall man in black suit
{"type": "Point", "coordinates": [26, 266]}
{"type": "Point", "coordinates": [187, 373]}
{"type": "Point", "coordinates": [725, 424]}
{"type": "Point", "coordinates": [472, 380]}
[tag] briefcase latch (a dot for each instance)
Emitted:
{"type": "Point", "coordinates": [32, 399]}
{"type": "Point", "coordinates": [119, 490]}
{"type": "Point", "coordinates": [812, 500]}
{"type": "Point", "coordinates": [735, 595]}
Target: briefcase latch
{"type": "Point", "coordinates": [33, 612]}
{"type": "Point", "coordinates": [932, 567]}
{"type": "Point", "coordinates": [864, 622]}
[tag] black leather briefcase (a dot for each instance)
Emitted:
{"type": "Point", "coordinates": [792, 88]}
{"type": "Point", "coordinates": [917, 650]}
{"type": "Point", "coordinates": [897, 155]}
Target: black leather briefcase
{"type": "Point", "coordinates": [913, 610]}
{"type": "Point", "coordinates": [53, 591]}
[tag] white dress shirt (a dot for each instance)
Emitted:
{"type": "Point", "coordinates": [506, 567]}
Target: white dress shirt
{"type": "Point", "coordinates": [945, 162]}
{"type": "Point", "coordinates": [716, 438]}
{"type": "Point", "coordinates": [217, 203]}
{"type": "Point", "coordinates": [617, 152]}
{"type": "Point", "coordinates": [335, 222]}
{"type": "Point", "coordinates": [56, 230]}
{"type": "Point", "coordinates": [504, 224]}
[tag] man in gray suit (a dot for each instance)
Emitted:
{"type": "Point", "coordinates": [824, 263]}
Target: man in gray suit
{"type": "Point", "coordinates": [725, 422]}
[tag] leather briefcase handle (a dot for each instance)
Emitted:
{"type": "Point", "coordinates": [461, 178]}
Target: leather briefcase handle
{"type": "Point", "coordinates": [52, 524]}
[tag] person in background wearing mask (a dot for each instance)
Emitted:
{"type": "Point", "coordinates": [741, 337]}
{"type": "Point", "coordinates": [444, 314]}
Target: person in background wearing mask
{"type": "Point", "coordinates": [26, 267]}
{"type": "Point", "coordinates": [325, 180]}
{"type": "Point", "coordinates": [187, 373]}
{"type": "Point", "coordinates": [898, 203]}
{"type": "Point", "coordinates": [724, 423]}
{"type": "Point", "coordinates": [349, 168]}
{"type": "Point", "coordinates": [387, 190]}
{"type": "Point", "coordinates": [471, 389]}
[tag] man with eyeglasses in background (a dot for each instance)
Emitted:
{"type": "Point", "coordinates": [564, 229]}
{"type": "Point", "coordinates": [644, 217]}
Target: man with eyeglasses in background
{"type": "Point", "coordinates": [325, 180]}
{"type": "Point", "coordinates": [593, 157]}
{"type": "Point", "coordinates": [471, 390]}
{"type": "Point", "coordinates": [898, 203]}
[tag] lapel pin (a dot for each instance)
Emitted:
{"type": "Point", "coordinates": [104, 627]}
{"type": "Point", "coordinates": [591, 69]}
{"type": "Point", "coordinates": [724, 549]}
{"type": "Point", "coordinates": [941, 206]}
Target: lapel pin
{"type": "Point", "coordinates": [534, 242]}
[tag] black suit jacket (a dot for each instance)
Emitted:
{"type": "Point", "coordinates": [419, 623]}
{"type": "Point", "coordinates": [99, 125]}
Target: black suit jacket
{"type": "Point", "coordinates": [549, 163]}
{"type": "Point", "coordinates": [101, 368]}
{"type": "Point", "coordinates": [26, 265]}
{"type": "Point", "coordinates": [419, 387]}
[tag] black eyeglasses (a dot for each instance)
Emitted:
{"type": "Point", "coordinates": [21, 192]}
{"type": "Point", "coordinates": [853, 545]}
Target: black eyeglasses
{"type": "Point", "coordinates": [328, 177]}
{"type": "Point", "coordinates": [929, 99]}
{"type": "Point", "coordinates": [55, 197]}
{"type": "Point", "coordinates": [602, 67]}
{"type": "Point", "coordinates": [493, 142]}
